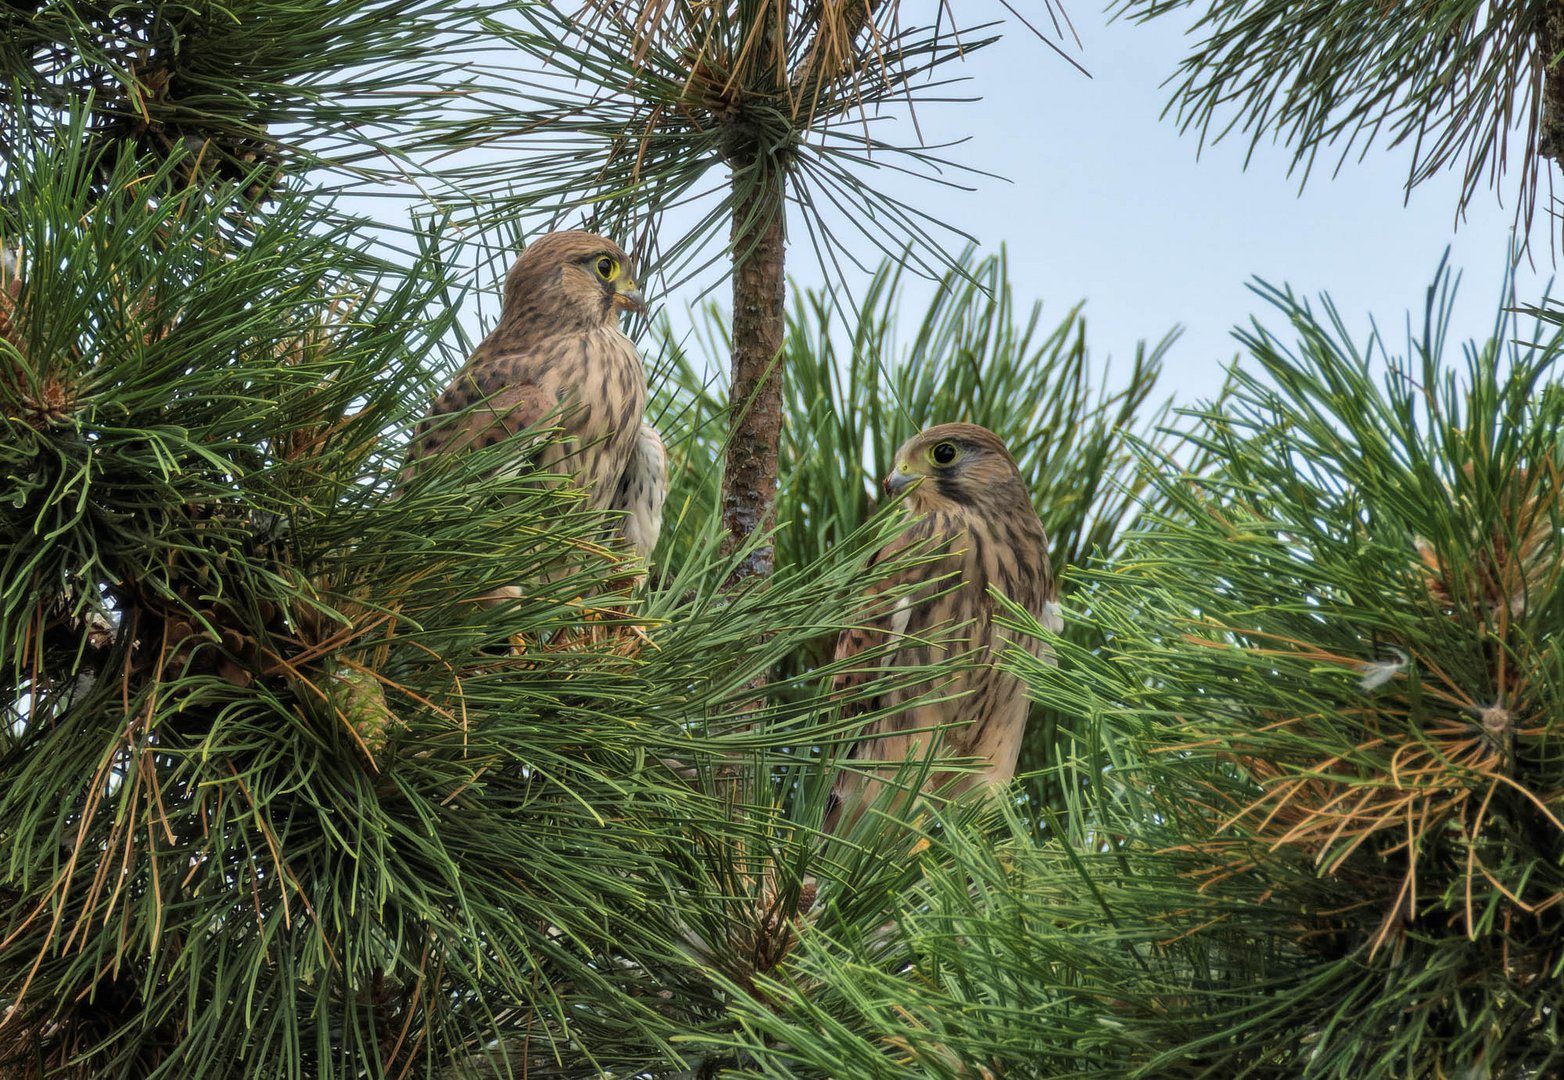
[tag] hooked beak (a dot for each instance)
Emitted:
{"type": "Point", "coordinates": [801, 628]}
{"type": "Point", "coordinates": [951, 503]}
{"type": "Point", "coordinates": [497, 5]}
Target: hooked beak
{"type": "Point", "coordinates": [900, 480]}
{"type": "Point", "coordinates": [628, 296]}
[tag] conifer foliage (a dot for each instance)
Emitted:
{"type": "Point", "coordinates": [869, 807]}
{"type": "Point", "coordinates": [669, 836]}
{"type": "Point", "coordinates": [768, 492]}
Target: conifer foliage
{"type": "Point", "coordinates": [277, 796]}
{"type": "Point", "coordinates": [280, 797]}
{"type": "Point", "coordinates": [1316, 818]}
{"type": "Point", "coordinates": [1335, 814]}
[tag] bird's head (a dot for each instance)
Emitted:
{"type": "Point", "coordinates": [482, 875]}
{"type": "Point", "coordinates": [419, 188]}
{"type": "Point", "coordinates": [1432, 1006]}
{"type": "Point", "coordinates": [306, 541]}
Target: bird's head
{"type": "Point", "coordinates": [572, 277]}
{"type": "Point", "coordinates": [955, 466]}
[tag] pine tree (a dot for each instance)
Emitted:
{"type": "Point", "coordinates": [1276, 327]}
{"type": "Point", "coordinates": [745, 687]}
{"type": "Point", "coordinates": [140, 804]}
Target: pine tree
{"type": "Point", "coordinates": [1451, 83]}
{"type": "Point", "coordinates": [1335, 676]}
{"type": "Point", "coordinates": [1318, 816]}
{"type": "Point", "coordinates": [277, 797]}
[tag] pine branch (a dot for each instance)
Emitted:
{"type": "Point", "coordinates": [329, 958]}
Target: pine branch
{"type": "Point", "coordinates": [1449, 82]}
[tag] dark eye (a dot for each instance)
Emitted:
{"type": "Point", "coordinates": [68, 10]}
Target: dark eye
{"type": "Point", "coordinates": [943, 453]}
{"type": "Point", "coordinates": [607, 268]}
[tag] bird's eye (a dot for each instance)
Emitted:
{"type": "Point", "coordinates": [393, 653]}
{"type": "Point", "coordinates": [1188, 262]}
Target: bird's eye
{"type": "Point", "coordinates": [943, 453]}
{"type": "Point", "coordinates": [607, 268]}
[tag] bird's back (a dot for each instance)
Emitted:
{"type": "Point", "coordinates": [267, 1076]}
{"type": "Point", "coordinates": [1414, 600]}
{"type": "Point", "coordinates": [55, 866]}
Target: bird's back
{"type": "Point", "coordinates": [589, 383]}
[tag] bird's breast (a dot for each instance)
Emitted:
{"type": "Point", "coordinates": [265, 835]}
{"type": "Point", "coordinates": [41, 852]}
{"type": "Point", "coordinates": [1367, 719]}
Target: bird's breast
{"type": "Point", "coordinates": [603, 393]}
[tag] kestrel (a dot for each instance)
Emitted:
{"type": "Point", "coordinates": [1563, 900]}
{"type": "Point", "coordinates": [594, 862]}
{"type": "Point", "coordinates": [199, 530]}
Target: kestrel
{"type": "Point", "coordinates": [558, 351]}
{"type": "Point", "coordinates": [971, 510]}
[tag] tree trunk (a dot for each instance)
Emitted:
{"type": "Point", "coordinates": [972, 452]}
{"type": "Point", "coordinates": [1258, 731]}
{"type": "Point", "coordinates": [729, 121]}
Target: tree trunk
{"type": "Point", "coordinates": [749, 486]}
{"type": "Point", "coordinates": [1550, 41]}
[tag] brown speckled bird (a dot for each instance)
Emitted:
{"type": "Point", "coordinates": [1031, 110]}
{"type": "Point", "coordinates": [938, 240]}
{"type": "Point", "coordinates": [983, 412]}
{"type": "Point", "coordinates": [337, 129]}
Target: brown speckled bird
{"type": "Point", "coordinates": [558, 349]}
{"type": "Point", "coordinates": [971, 507]}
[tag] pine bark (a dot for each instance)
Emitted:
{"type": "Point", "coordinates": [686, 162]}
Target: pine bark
{"type": "Point", "coordinates": [759, 323]}
{"type": "Point", "coordinates": [1550, 42]}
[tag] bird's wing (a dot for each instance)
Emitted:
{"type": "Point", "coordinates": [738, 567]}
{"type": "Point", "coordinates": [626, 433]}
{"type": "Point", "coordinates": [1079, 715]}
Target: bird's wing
{"type": "Point", "coordinates": [492, 398]}
{"type": "Point", "coordinates": [882, 620]}
{"type": "Point", "coordinates": [642, 489]}
{"type": "Point", "coordinates": [893, 631]}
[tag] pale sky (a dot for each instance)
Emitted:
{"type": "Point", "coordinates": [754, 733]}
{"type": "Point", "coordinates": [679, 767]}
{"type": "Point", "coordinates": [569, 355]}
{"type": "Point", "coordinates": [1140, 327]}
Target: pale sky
{"type": "Point", "coordinates": [1104, 201]}
{"type": "Point", "coordinates": [1109, 203]}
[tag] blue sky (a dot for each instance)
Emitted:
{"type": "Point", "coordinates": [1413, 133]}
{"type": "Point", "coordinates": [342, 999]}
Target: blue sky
{"type": "Point", "coordinates": [1105, 201]}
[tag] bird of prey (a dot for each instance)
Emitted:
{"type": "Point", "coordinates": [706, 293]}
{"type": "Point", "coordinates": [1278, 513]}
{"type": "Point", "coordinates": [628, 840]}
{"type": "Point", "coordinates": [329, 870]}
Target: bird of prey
{"type": "Point", "coordinates": [558, 351]}
{"type": "Point", "coordinates": [973, 515]}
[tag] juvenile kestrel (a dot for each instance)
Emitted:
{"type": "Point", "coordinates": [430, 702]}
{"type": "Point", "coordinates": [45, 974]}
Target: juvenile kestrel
{"type": "Point", "coordinates": [558, 349]}
{"type": "Point", "coordinates": [972, 510]}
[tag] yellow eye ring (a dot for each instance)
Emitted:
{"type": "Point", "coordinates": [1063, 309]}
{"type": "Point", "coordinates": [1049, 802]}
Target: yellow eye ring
{"type": "Point", "coordinates": [607, 268]}
{"type": "Point", "coordinates": [943, 453]}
